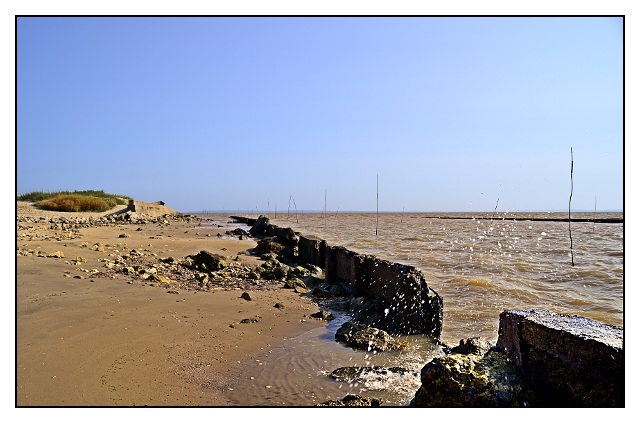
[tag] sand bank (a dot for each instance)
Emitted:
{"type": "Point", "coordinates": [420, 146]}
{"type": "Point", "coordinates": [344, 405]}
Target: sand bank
{"type": "Point", "coordinates": [97, 339]}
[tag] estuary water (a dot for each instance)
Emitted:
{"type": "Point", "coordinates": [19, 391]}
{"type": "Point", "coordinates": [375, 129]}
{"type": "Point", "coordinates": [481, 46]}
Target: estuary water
{"type": "Point", "coordinates": [481, 264]}
{"type": "Point", "coordinates": [486, 263]}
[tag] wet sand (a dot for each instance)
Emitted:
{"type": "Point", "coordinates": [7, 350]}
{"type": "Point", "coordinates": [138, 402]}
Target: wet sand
{"type": "Point", "coordinates": [83, 340]}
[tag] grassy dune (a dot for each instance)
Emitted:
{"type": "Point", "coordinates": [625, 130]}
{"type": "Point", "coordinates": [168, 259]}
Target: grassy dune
{"type": "Point", "coordinates": [76, 201]}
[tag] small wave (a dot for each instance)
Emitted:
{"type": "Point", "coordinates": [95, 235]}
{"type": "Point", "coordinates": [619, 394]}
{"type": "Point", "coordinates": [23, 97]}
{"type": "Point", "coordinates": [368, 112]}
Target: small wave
{"type": "Point", "coordinates": [523, 266]}
{"type": "Point", "coordinates": [479, 282]}
{"type": "Point", "coordinates": [412, 238]}
{"type": "Point", "coordinates": [577, 302]}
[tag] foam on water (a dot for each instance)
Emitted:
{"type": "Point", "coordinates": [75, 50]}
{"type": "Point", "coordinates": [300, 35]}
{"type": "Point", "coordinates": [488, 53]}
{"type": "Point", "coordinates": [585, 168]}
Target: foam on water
{"type": "Point", "coordinates": [526, 264]}
{"type": "Point", "coordinates": [299, 373]}
{"type": "Point", "coordinates": [479, 267]}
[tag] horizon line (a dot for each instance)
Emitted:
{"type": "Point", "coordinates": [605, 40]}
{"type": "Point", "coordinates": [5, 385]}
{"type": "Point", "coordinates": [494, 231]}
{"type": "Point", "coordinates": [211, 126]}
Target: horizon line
{"type": "Point", "coordinates": [271, 212]}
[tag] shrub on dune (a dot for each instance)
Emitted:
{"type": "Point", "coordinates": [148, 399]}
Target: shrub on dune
{"type": "Point", "coordinates": [75, 203]}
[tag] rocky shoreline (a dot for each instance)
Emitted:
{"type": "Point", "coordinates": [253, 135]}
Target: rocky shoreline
{"type": "Point", "coordinates": [518, 371]}
{"type": "Point", "coordinates": [541, 359]}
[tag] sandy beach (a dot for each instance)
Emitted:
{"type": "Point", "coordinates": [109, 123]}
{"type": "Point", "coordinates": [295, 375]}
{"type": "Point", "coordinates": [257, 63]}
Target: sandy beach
{"type": "Point", "coordinates": [88, 337]}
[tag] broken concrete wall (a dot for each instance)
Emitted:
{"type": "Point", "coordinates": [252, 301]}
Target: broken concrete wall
{"type": "Point", "coordinates": [312, 250]}
{"type": "Point", "coordinates": [412, 306]}
{"type": "Point", "coordinates": [157, 208]}
{"type": "Point", "coordinates": [347, 268]}
{"type": "Point", "coordinates": [565, 360]}
{"type": "Point", "coordinates": [400, 299]}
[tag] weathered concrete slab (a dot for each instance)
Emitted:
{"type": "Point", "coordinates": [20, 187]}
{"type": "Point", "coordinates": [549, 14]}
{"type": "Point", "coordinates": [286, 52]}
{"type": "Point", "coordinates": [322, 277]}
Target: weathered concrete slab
{"type": "Point", "coordinates": [348, 268]}
{"type": "Point", "coordinates": [312, 250]}
{"type": "Point", "coordinates": [565, 360]}
{"type": "Point", "coordinates": [150, 209]}
{"type": "Point", "coordinates": [411, 306]}
{"type": "Point", "coordinates": [398, 297]}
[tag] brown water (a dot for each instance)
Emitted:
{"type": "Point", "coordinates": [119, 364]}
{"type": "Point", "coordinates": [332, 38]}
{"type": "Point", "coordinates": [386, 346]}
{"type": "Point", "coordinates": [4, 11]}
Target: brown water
{"type": "Point", "coordinates": [479, 266]}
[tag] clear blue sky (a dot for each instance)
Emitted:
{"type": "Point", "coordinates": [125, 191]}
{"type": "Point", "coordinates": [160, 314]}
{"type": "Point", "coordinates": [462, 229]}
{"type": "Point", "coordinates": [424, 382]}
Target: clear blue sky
{"type": "Point", "coordinates": [236, 113]}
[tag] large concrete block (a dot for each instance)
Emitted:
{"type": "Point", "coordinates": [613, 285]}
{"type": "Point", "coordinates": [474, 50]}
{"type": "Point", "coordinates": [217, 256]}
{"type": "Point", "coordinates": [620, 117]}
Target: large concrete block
{"type": "Point", "coordinates": [410, 306]}
{"type": "Point", "coordinates": [348, 268]}
{"type": "Point", "coordinates": [260, 227]}
{"type": "Point", "coordinates": [510, 333]}
{"type": "Point", "coordinates": [566, 360]}
{"type": "Point", "coordinates": [311, 250]}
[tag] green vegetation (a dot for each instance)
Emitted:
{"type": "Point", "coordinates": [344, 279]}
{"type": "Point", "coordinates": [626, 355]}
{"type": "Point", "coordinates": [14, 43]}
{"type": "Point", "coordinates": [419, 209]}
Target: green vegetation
{"type": "Point", "coordinates": [76, 201]}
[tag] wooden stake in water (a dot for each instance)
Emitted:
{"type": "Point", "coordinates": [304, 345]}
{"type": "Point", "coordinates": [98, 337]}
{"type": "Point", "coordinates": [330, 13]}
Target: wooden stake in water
{"type": "Point", "coordinates": [294, 205]}
{"type": "Point", "coordinates": [496, 208]}
{"type": "Point", "coordinates": [324, 213]}
{"type": "Point", "coordinates": [571, 195]}
{"type": "Point", "coordinates": [594, 213]}
{"type": "Point", "coordinates": [377, 197]}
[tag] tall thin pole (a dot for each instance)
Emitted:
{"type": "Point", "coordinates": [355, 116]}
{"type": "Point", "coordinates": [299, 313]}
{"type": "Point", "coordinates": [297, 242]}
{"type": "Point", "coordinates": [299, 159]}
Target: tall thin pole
{"type": "Point", "coordinates": [571, 195]}
{"type": "Point", "coordinates": [295, 205]}
{"type": "Point", "coordinates": [377, 198]}
{"type": "Point", "coordinates": [595, 203]}
{"type": "Point", "coordinates": [325, 208]}
{"type": "Point", "coordinates": [495, 209]}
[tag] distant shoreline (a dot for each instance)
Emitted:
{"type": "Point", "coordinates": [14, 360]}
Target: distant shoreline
{"type": "Point", "coordinates": [577, 217]}
{"type": "Point", "coordinates": [407, 212]}
{"type": "Point", "coordinates": [533, 219]}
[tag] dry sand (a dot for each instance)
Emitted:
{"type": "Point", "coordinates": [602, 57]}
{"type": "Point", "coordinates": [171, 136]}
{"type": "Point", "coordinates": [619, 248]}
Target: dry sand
{"type": "Point", "coordinates": [101, 341]}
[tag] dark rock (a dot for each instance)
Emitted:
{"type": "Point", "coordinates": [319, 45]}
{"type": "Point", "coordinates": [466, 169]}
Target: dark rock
{"type": "Point", "coordinates": [260, 226]}
{"type": "Point", "coordinates": [347, 330]}
{"type": "Point", "coordinates": [207, 261]}
{"type": "Point", "coordinates": [279, 305]}
{"type": "Point", "coordinates": [470, 380]}
{"type": "Point", "coordinates": [301, 290]}
{"type": "Point", "coordinates": [272, 270]}
{"type": "Point", "coordinates": [268, 245]}
{"type": "Point", "coordinates": [298, 272]}
{"type": "Point", "coordinates": [321, 292]}
{"type": "Point", "coordinates": [368, 338]}
{"type": "Point", "coordinates": [353, 374]}
{"type": "Point", "coordinates": [476, 346]}
{"type": "Point", "coordinates": [323, 315]}
{"type": "Point", "coordinates": [239, 231]}
{"type": "Point", "coordinates": [287, 236]}
{"type": "Point", "coordinates": [312, 280]}
{"type": "Point", "coordinates": [314, 271]}
{"type": "Point", "coordinates": [250, 320]}
{"type": "Point", "coordinates": [246, 296]}
{"type": "Point", "coordinates": [293, 283]}
{"type": "Point", "coordinates": [338, 291]}
{"type": "Point", "coordinates": [269, 257]}
{"type": "Point", "coordinates": [288, 253]}
{"type": "Point", "coordinates": [352, 401]}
